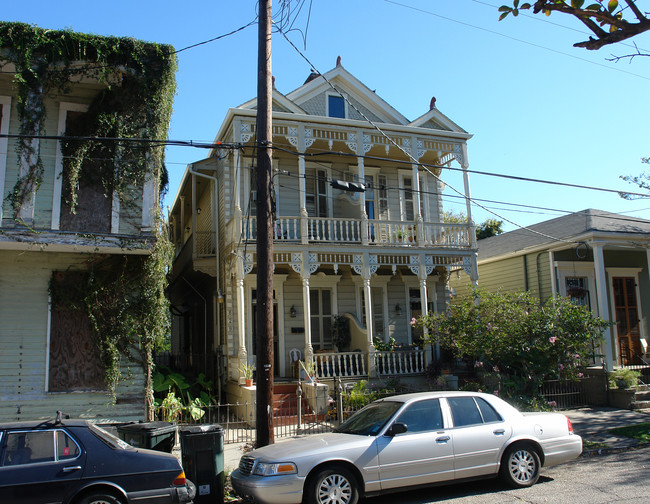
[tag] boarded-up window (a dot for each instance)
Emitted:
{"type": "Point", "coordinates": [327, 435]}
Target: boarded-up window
{"type": "Point", "coordinates": [94, 203]}
{"type": "Point", "coordinates": [74, 357]}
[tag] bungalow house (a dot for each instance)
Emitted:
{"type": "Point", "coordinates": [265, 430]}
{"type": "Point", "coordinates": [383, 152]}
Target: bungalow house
{"type": "Point", "coordinates": [599, 259]}
{"type": "Point", "coordinates": [74, 214]}
{"type": "Point", "coordinates": [358, 237]}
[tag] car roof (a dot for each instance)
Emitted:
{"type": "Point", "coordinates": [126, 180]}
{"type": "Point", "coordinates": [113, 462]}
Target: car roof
{"type": "Point", "coordinates": [43, 424]}
{"type": "Point", "coordinates": [416, 396]}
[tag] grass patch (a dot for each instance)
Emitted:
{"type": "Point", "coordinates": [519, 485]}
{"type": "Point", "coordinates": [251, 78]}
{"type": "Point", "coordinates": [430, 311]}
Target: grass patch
{"type": "Point", "coordinates": [640, 432]}
{"type": "Point", "coordinates": [593, 445]}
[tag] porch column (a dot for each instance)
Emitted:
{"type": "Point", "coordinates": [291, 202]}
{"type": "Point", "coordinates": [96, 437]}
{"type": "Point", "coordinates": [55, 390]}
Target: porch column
{"type": "Point", "coordinates": [362, 198]}
{"type": "Point", "coordinates": [424, 299]}
{"type": "Point", "coordinates": [237, 183]}
{"type": "Point", "coordinates": [603, 309]}
{"type": "Point", "coordinates": [302, 186]}
{"type": "Point", "coordinates": [468, 206]}
{"type": "Point", "coordinates": [239, 281]}
{"type": "Point", "coordinates": [306, 310]}
{"type": "Point", "coordinates": [369, 322]}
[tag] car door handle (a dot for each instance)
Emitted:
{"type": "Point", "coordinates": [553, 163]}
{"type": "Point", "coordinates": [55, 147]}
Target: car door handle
{"type": "Point", "coordinates": [499, 432]}
{"type": "Point", "coordinates": [71, 468]}
{"type": "Point", "coordinates": [442, 439]}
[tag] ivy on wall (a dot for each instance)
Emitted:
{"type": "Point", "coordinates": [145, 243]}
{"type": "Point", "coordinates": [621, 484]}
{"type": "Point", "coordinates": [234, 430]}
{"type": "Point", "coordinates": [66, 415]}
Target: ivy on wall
{"type": "Point", "coordinates": [122, 295]}
{"type": "Point", "coordinates": [135, 103]}
{"type": "Point", "coordinates": [124, 299]}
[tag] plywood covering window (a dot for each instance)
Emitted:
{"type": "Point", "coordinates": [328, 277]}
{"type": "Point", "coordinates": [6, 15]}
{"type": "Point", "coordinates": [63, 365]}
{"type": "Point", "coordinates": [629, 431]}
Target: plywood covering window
{"type": "Point", "coordinates": [74, 357]}
{"type": "Point", "coordinates": [94, 201]}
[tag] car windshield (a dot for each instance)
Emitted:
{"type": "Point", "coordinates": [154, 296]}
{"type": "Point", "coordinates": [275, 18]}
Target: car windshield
{"type": "Point", "coordinates": [108, 438]}
{"type": "Point", "coordinates": [370, 420]}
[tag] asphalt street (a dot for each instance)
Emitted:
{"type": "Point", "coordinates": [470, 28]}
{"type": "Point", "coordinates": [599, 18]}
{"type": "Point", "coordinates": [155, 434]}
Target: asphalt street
{"type": "Point", "coordinates": [622, 477]}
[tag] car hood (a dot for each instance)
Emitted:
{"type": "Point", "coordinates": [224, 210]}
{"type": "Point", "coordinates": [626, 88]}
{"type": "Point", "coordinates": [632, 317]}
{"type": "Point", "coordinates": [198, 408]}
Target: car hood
{"type": "Point", "coordinates": [314, 446]}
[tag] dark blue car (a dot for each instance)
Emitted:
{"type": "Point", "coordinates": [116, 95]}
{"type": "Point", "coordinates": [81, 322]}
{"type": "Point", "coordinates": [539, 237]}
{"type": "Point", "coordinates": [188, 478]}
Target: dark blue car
{"type": "Point", "coordinates": [77, 462]}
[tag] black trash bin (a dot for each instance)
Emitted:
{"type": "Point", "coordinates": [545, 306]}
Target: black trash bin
{"type": "Point", "coordinates": [202, 454]}
{"type": "Point", "coordinates": [160, 436]}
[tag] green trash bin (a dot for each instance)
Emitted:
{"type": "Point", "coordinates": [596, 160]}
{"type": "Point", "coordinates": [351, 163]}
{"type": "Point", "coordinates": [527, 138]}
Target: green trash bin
{"type": "Point", "coordinates": [202, 457]}
{"type": "Point", "coordinates": [160, 436]}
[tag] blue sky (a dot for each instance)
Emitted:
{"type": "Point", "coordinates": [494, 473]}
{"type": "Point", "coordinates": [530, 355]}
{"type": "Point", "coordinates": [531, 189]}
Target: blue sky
{"type": "Point", "coordinates": [537, 107]}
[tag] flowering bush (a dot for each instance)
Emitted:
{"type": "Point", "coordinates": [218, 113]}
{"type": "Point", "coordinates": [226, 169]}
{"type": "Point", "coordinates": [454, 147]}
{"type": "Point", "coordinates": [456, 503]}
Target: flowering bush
{"type": "Point", "coordinates": [512, 335]}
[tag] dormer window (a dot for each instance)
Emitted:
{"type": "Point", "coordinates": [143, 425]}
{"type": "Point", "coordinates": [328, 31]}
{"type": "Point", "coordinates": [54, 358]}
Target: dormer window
{"type": "Point", "coordinates": [335, 106]}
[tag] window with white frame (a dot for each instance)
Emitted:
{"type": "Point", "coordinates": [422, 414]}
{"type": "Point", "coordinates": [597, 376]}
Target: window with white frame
{"type": "Point", "coordinates": [336, 106]}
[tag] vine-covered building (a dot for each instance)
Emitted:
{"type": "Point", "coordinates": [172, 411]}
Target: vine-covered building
{"type": "Point", "coordinates": [78, 220]}
{"type": "Point", "coordinates": [357, 233]}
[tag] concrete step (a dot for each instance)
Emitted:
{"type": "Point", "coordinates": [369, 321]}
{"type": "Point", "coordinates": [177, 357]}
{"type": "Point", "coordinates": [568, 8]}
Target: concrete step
{"type": "Point", "coordinates": [642, 395]}
{"type": "Point", "coordinates": [639, 405]}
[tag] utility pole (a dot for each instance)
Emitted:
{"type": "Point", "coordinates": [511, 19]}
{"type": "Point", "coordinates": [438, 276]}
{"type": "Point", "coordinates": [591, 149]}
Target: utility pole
{"type": "Point", "coordinates": [264, 137]}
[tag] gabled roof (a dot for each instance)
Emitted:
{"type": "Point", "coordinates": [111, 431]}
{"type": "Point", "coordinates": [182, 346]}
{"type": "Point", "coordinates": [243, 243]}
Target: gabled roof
{"type": "Point", "coordinates": [563, 228]}
{"type": "Point", "coordinates": [437, 120]}
{"type": "Point", "coordinates": [345, 82]}
{"type": "Point", "coordinates": [279, 101]}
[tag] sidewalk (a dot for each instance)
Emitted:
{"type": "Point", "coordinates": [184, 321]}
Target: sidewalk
{"type": "Point", "coordinates": [592, 424]}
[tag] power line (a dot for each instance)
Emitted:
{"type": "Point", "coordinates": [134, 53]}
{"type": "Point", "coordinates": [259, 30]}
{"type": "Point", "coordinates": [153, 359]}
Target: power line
{"type": "Point", "coordinates": [231, 146]}
{"type": "Point", "coordinates": [521, 41]}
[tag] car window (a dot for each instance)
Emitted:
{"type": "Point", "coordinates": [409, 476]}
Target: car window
{"type": "Point", "coordinates": [422, 416]}
{"type": "Point", "coordinates": [488, 412]}
{"type": "Point", "coordinates": [108, 438]}
{"type": "Point", "coordinates": [28, 448]}
{"type": "Point", "coordinates": [464, 411]}
{"type": "Point", "coordinates": [66, 448]}
{"type": "Point", "coordinates": [371, 419]}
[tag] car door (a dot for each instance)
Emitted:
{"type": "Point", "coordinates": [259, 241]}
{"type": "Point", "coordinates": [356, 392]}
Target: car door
{"type": "Point", "coordinates": [478, 435]}
{"type": "Point", "coordinates": [421, 455]}
{"type": "Point", "coordinates": [39, 466]}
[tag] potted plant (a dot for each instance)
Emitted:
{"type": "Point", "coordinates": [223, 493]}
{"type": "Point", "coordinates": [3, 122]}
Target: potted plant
{"type": "Point", "coordinates": [624, 378]}
{"type": "Point", "coordinates": [247, 371]}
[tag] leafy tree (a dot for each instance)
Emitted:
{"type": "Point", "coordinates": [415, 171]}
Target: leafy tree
{"type": "Point", "coordinates": [643, 181]}
{"type": "Point", "coordinates": [510, 338]}
{"type": "Point", "coordinates": [489, 227]}
{"type": "Point", "coordinates": [608, 20]}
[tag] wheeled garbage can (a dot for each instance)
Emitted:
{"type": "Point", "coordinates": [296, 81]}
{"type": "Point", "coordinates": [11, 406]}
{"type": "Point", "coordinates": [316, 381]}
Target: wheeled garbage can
{"type": "Point", "coordinates": [160, 436]}
{"type": "Point", "coordinates": [202, 457]}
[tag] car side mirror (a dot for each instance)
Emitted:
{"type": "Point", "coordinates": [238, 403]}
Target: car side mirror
{"type": "Point", "coordinates": [397, 428]}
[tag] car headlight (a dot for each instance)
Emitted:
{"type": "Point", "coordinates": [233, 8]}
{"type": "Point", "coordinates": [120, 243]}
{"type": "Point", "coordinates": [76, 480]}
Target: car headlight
{"type": "Point", "coordinates": [274, 469]}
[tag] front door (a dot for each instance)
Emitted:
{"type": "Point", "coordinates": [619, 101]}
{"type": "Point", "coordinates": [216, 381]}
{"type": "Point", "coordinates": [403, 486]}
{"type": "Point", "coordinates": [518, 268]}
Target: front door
{"type": "Point", "coordinates": [321, 318]}
{"type": "Point", "coordinates": [627, 320]}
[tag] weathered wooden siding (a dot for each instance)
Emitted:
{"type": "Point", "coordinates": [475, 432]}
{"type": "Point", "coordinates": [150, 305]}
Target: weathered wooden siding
{"type": "Point", "coordinates": [24, 316]}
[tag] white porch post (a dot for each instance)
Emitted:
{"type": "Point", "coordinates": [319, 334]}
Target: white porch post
{"type": "Point", "coordinates": [603, 309]}
{"type": "Point", "coordinates": [306, 309]}
{"type": "Point", "coordinates": [243, 354]}
{"type": "Point", "coordinates": [302, 186]}
{"type": "Point", "coordinates": [369, 322]}
{"type": "Point", "coordinates": [362, 199]}
{"type": "Point", "coordinates": [468, 205]}
{"type": "Point", "coordinates": [424, 299]}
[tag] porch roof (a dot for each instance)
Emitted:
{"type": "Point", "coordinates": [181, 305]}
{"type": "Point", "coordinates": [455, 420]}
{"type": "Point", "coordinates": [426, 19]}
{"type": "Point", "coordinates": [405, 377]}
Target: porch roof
{"type": "Point", "coordinates": [572, 226]}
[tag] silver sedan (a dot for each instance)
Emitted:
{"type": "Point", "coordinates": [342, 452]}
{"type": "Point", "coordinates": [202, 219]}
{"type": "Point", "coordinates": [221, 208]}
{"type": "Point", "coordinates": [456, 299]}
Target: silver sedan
{"type": "Point", "coordinates": [409, 440]}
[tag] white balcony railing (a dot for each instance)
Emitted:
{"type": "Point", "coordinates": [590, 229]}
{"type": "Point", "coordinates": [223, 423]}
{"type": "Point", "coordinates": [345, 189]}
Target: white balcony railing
{"type": "Point", "coordinates": [342, 364]}
{"type": "Point", "coordinates": [401, 362]}
{"type": "Point", "coordinates": [380, 232]}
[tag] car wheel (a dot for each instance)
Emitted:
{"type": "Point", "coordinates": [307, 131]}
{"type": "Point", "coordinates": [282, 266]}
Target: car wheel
{"type": "Point", "coordinates": [333, 485]}
{"type": "Point", "coordinates": [520, 466]}
{"type": "Point", "coordinates": [99, 498]}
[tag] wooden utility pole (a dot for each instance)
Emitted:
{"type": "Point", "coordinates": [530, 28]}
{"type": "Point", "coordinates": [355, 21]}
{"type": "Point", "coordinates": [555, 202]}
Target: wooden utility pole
{"type": "Point", "coordinates": [264, 137]}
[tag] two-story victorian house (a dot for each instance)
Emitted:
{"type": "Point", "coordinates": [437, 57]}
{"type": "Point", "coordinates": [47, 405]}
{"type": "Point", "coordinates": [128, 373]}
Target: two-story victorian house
{"type": "Point", "coordinates": [78, 219]}
{"type": "Point", "coordinates": [358, 234]}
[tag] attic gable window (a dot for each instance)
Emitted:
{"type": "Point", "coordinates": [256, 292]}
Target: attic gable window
{"type": "Point", "coordinates": [335, 106]}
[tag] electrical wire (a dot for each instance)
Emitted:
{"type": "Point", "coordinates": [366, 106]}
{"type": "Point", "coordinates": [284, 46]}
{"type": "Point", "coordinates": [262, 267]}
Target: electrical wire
{"type": "Point", "coordinates": [521, 41]}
